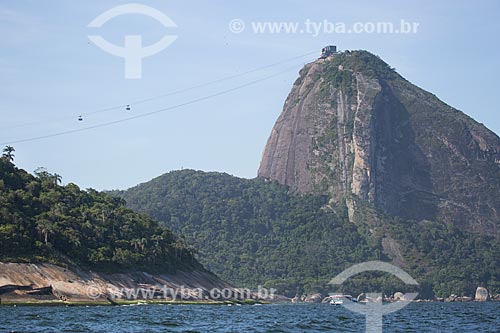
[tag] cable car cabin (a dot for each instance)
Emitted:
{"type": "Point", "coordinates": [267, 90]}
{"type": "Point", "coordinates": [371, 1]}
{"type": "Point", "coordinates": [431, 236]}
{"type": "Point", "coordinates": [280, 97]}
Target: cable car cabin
{"type": "Point", "coordinates": [127, 108]}
{"type": "Point", "coordinates": [328, 51]}
{"type": "Point", "coordinates": [80, 118]}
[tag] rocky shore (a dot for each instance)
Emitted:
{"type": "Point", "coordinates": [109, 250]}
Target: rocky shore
{"type": "Point", "coordinates": [482, 295]}
{"type": "Point", "coordinates": [54, 285]}
{"type": "Point", "coordinates": [50, 284]}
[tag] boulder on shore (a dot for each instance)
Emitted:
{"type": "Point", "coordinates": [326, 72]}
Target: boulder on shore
{"type": "Point", "coordinates": [327, 299]}
{"type": "Point", "coordinates": [482, 294]}
{"type": "Point", "coordinates": [361, 297]}
{"type": "Point", "coordinates": [314, 298]}
{"type": "Point", "coordinates": [398, 296]}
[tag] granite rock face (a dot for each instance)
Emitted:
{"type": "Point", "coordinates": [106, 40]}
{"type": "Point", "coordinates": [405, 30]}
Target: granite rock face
{"type": "Point", "coordinates": [482, 295]}
{"type": "Point", "coordinates": [41, 282]}
{"type": "Point", "coordinates": [352, 127]}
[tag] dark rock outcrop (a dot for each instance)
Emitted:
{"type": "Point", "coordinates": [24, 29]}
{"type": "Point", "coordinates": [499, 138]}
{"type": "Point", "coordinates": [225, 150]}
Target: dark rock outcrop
{"type": "Point", "coordinates": [353, 127]}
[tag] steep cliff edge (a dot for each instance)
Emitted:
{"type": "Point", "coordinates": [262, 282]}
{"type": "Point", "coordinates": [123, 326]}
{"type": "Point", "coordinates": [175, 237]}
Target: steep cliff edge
{"type": "Point", "coordinates": [353, 128]}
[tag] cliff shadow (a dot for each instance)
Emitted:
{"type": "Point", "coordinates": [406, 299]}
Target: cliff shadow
{"type": "Point", "coordinates": [402, 171]}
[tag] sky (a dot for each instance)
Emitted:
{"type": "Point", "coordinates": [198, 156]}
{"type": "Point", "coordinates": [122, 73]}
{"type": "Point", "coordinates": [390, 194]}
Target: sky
{"type": "Point", "coordinates": [51, 73]}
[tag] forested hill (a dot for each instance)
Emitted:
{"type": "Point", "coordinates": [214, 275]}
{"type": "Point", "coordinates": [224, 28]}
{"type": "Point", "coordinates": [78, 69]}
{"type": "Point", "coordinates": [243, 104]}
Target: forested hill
{"type": "Point", "coordinates": [253, 231]}
{"type": "Point", "coordinates": [42, 221]}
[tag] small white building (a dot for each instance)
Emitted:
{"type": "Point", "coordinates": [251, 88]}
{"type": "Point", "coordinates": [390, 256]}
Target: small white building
{"type": "Point", "coordinates": [328, 51]}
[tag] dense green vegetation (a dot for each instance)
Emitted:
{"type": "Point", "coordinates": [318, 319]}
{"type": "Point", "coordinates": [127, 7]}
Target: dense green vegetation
{"type": "Point", "coordinates": [40, 220]}
{"type": "Point", "coordinates": [250, 232]}
{"type": "Point", "coordinates": [448, 259]}
{"type": "Point", "coordinates": [358, 62]}
{"type": "Point", "coordinates": [255, 232]}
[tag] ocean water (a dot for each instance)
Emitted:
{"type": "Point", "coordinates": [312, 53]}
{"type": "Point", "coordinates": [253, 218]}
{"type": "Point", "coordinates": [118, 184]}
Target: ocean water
{"type": "Point", "coordinates": [417, 317]}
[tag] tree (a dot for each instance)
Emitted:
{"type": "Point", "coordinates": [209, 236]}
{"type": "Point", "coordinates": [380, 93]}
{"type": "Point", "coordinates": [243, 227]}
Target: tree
{"type": "Point", "coordinates": [41, 220]}
{"type": "Point", "coordinates": [45, 227]}
{"type": "Point", "coordinates": [8, 153]}
{"type": "Point", "coordinates": [57, 179]}
{"type": "Point", "coordinates": [42, 173]}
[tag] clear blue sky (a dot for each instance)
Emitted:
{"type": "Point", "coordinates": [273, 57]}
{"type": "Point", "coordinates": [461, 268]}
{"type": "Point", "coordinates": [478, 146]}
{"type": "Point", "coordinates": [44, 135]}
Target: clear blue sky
{"type": "Point", "coordinates": [50, 73]}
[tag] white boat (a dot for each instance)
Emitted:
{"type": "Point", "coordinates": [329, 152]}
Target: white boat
{"type": "Point", "coordinates": [337, 300]}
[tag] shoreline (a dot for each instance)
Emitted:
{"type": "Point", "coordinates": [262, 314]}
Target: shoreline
{"type": "Point", "coordinates": [55, 303]}
{"type": "Point", "coordinates": [52, 285]}
{"type": "Point", "coordinates": [51, 303]}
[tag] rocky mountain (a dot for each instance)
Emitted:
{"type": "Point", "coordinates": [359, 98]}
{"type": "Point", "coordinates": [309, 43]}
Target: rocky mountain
{"type": "Point", "coordinates": [361, 165]}
{"type": "Point", "coordinates": [353, 128]}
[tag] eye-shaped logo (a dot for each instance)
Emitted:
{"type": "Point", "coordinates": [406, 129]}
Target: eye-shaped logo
{"type": "Point", "coordinates": [132, 51]}
{"type": "Point", "coordinates": [374, 311]}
